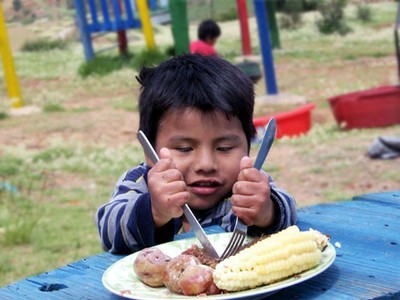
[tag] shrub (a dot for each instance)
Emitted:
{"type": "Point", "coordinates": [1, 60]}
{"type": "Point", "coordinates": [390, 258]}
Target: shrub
{"type": "Point", "coordinates": [332, 21]}
{"type": "Point", "coordinates": [17, 5]}
{"type": "Point", "coordinates": [364, 13]}
{"type": "Point", "coordinates": [102, 65]}
{"type": "Point", "coordinates": [42, 45]}
{"type": "Point", "coordinates": [229, 15]}
{"type": "Point", "coordinates": [148, 58]}
{"type": "Point", "coordinates": [53, 107]}
{"type": "Point", "coordinates": [291, 15]}
{"type": "Point", "coordinates": [3, 115]}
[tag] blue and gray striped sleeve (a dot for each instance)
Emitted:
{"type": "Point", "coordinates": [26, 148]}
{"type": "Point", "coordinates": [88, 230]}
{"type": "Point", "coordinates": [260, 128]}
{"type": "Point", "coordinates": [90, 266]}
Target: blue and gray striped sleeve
{"type": "Point", "coordinates": [285, 209]}
{"type": "Point", "coordinates": [125, 223]}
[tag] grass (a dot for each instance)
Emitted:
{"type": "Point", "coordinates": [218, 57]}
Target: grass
{"type": "Point", "coordinates": [52, 184]}
{"type": "Point", "coordinates": [43, 45]}
{"type": "Point", "coordinates": [44, 220]}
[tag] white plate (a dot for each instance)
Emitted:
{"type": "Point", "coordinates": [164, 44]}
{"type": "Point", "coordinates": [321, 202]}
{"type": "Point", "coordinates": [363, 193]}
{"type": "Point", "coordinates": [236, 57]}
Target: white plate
{"type": "Point", "coordinates": [120, 278]}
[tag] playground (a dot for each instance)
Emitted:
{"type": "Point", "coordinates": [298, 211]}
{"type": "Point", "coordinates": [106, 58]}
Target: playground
{"type": "Point", "coordinates": [62, 155]}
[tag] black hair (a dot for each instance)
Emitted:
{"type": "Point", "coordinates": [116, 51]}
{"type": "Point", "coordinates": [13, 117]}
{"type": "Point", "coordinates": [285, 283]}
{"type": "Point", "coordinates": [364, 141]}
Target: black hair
{"type": "Point", "coordinates": [206, 83]}
{"type": "Point", "coordinates": [208, 29]}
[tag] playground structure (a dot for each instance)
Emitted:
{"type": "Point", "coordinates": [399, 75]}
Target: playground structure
{"type": "Point", "coordinates": [122, 15]}
{"type": "Point", "coordinates": [12, 83]}
{"type": "Point", "coordinates": [115, 16]}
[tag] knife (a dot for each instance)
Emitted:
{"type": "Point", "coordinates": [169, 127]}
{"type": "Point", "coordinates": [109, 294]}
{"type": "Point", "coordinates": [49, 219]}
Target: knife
{"type": "Point", "coordinates": [268, 139]}
{"type": "Point", "coordinates": [194, 224]}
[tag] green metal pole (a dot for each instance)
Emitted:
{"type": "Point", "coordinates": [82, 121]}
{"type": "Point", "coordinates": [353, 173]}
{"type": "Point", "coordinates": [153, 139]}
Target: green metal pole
{"type": "Point", "coordinates": [273, 27]}
{"type": "Point", "coordinates": [179, 25]}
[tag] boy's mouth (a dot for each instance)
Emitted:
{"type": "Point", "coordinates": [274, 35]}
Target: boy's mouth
{"type": "Point", "coordinates": [205, 183]}
{"type": "Point", "coordinates": [204, 187]}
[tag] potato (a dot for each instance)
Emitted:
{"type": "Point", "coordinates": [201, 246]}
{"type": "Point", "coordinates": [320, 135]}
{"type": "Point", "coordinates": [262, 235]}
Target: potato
{"type": "Point", "coordinates": [198, 279]}
{"type": "Point", "coordinates": [149, 266]}
{"type": "Point", "coordinates": [174, 269]}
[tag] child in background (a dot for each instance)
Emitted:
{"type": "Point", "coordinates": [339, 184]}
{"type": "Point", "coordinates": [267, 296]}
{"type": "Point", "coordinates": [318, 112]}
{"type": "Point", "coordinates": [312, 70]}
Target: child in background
{"type": "Point", "coordinates": [208, 34]}
{"type": "Point", "coordinates": [197, 113]}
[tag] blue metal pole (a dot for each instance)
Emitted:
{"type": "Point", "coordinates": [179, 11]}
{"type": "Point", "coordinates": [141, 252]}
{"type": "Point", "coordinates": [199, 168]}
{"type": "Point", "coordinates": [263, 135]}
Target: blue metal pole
{"type": "Point", "coordinates": [93, 12]}
{"type": "Point", "coordinates": [107, 26]}
{"type": "Point", "coordinates": [84, 30]}
{"type": "Point", "coordinates": [129, 13]}
{"type": "Point", "coordinates": [266, 49]}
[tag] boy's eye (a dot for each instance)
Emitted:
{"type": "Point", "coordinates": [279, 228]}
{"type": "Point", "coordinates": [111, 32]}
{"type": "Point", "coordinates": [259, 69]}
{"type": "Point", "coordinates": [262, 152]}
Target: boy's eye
{"type": "Point", "coordinates": [183, 149]}
{"type": "Point", "coordinates": [225, 148]}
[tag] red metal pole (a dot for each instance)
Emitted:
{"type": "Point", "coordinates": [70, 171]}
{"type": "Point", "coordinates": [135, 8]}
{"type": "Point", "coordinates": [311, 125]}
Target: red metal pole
{"type": "Point", "coordinates": [244, 26]}
{"type": "Point", "coordinates": [122, 42]}
{"type": "Point", "coordinates": [122, 38]}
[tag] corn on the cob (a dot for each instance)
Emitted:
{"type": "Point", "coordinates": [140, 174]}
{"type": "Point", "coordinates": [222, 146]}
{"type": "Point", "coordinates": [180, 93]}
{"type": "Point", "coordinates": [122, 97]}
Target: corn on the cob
{"type": "Point", "coordinates": [279, 256]}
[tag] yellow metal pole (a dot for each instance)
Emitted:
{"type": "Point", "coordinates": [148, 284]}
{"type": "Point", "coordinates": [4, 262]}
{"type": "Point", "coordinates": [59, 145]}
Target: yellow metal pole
{"type": "Point", "coordinates": [12, 83]}
{"type": "Point", "coordinates": [146, 23]}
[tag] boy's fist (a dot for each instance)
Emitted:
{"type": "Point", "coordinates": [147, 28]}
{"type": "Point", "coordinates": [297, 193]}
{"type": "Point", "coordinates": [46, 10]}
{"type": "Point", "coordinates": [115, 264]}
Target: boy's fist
{"type": "Point", "coordinates": [251, 193]}
{"type": "Point", "coordinates": [167, 189]}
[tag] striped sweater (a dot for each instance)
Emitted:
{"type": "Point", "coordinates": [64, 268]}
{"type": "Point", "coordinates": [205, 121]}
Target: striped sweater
{"type": "Point", "coordinates": [125, 223]}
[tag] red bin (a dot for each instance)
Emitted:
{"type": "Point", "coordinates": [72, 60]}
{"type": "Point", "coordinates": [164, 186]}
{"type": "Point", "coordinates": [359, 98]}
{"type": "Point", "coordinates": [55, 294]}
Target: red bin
{"type": "Point", "coordinates": [290, 123]}
{"type": "Point", "coordinates": [376, 107]}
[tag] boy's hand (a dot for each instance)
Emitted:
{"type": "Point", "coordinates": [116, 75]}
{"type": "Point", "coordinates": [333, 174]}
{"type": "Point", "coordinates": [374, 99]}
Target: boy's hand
{"type": "Point", "coordinates": [167, 189]}
{"type": "Point", "coordinates": [251, 198]}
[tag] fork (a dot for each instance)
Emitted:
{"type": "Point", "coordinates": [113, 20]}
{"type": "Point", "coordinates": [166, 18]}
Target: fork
{"type": "Point", "coordinates": [240, 229]}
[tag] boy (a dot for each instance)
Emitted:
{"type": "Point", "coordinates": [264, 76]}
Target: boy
{"type": "Point", "coordinates": [208, 34]}
{"type": "Point", "coordinates": [197, 113]}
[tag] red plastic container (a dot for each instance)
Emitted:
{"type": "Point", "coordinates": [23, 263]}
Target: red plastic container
{"type": "Point", "coordinates": [290, 123]}
{"type": "Point", "coordinates": [377, 107]}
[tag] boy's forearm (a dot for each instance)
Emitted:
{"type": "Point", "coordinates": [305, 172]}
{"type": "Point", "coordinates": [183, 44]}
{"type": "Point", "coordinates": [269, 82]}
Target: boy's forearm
{"type": "Point", "coordinates": [126, 225]}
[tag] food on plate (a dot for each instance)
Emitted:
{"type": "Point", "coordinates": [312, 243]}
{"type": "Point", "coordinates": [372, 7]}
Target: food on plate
{"type": "Point", "coordinates": [174, 269]}
{"type": "Point", "coordinates": [275, 258]}
{"type": "Point", "coordinates": [198, 280]}
{"type": "Point", "coordinates": [202, 255]}
{"type": "Point", "coordinates": [149, 266]}
{"type": "Point", "coordinates": [263, 261]}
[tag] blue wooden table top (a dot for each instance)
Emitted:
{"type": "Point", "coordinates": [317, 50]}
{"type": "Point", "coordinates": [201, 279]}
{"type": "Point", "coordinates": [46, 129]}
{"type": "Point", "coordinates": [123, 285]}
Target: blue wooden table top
{"type": "Point", "coordinates": [367, 265]}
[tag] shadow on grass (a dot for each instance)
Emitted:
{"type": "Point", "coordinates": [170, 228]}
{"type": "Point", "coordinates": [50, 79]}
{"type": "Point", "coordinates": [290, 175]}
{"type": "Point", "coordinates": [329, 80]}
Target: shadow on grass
{"type": "Point", "coordinates": [103, 65]}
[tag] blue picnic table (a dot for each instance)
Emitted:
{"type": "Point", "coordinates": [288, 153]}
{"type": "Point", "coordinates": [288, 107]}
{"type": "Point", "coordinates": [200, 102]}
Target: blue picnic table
{"type": "Point", "coordinates": [365, 231]}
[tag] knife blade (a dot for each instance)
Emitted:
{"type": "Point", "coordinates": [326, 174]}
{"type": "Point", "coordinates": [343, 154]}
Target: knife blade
{"type": "Point", "coordinates": [194, 224]}
{"type": "Point", "coordinates": [268, 139]}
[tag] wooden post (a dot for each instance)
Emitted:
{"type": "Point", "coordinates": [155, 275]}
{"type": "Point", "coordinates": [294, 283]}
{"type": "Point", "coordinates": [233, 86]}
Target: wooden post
{"type": "Point", "coordinates": [12, 83]}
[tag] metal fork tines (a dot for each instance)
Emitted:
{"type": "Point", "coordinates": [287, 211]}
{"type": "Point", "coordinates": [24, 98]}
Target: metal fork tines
{"type": "Point", "coordinates": [237, 239]}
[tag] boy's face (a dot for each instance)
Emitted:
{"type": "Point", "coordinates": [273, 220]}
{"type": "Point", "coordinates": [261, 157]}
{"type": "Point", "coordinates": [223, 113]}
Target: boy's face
{"type": "Point", "coordinates": [207, 149]}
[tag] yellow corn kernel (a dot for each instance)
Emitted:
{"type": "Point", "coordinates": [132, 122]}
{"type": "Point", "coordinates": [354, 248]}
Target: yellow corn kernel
{"type": "Point", "coordinates": [279, 256]}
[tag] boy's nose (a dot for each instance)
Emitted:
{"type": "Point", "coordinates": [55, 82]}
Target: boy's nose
{"type": "Point", "coordinates": [205, 162]}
